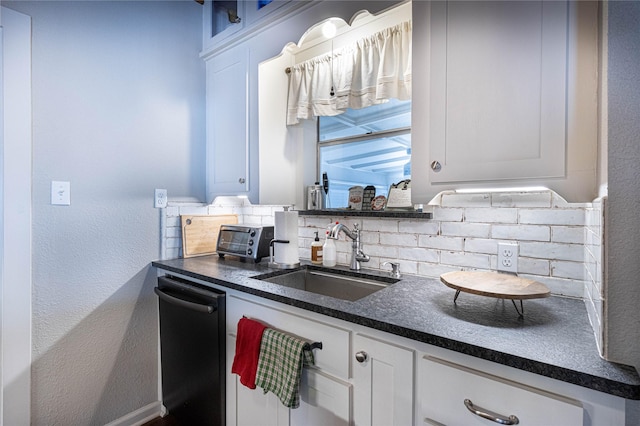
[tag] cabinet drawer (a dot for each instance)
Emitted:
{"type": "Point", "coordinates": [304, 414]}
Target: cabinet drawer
{"type": "Point", "coordinates": [334, 355]}
{"type": "Point", "coordinates": [445, 387]}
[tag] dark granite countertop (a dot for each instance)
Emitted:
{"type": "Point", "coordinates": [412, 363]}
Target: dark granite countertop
{"type": "Point", "coordinates": [553, 339]}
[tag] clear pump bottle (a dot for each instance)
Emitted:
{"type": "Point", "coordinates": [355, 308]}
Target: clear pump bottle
{"type": "Point", "coordinates": [329, 252]}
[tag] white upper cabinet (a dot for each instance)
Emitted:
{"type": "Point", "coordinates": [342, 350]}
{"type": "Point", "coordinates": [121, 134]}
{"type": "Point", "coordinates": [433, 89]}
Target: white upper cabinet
{"type": "Point", "coordinates": [498, 91]}
{"type": "Point", "coordinates": [227, 122]}
{"type": "Point", "coordinates": [505, 94]}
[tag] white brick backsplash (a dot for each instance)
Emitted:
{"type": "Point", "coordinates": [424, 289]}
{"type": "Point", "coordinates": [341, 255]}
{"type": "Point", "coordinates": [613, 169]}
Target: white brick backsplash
{"type": "Point", "coordinates": [467, 260]}
{"type": "Point", "coordinates": [265, 210]}
{"type": "Point", "coordinates": [559, 286]}
{"type": "Point", "coordinates": [466, 200]}
{"type": "Point", "coordinates": [572, 270]}
{"type": "Point", "coordinates": [343, 246]}
{"type": "Point", "coordinates": [521, 232]}
{"type": "Point", "coordinates": [463, 229]}
{"type": "Point", "coordinates": [418, 227]}
{"type": "Point", "coordinates": [380, 251]}
{"type": "Point", "coordinates": [174, 242]}
{"type": "Point", "coordinates": [552, 251]}
{"type": "Point", "coordinates": [506, 215]}
{"type": "Point", "coordinates": [406, 240]}
{"type": "Point", "coordinates": [194, 210]}
{"type": "Point", "coordinates": [527, 265]}
{"type": "Point", "coordinates": [174, 232]}
{"type": "Point", "coordinates": [343, 258]}
{"type": "Point", "coordinates": [552, 216]}
{"type": "Point", "coordinates": [419, 254]}
{"type": "Point", "coordinates": [252, 220]}
{"type": "Point", "coordinates": [445, 214]}
{"type": "Point", "coordinates": [443, 243]}
{"type": "Point", "coordinates": [172, 211]}
{"type": "Point", "coordinates": [521, 199]}
{"type": "Point", "coordinates": [382, 225]}
{"type": "Point", "coordinates": [560, 243]}
{"type": "Point", "coordinates": [435, 269]}
{"type": "Point", "coordinates": [480, 245]}
{"type": "Point", "coordinates": [173, 222]}
{"type": "Point", "coordinates": [172, 253]}
{"type": "Point", "coordinates": [370, 237]}
{"type": "Point", "coordinates": [309, 232]}
{"type": "Point", "coordinates": [220, 210]}
{"type": "Point", "coordinates": [567, 234]}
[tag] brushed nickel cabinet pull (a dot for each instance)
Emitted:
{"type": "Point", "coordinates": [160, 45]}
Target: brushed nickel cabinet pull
{"type": "Point", "coordinates": [436, 166]}
{"type": "Point", "coordinates": [490, 415]}
{"type": "Point", "coordinates": [241, 180]}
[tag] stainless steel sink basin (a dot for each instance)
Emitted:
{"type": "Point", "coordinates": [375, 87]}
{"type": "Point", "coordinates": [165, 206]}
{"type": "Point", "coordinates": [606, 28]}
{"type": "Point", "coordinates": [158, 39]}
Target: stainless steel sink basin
{"type": "Point", "coordinates": [341, 286]}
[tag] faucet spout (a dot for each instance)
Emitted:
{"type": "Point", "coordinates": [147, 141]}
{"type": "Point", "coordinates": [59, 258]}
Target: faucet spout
{"type": "Point", "coordinates": [335, 231]}
{"type": "Point", "coordinates": [357, 255]}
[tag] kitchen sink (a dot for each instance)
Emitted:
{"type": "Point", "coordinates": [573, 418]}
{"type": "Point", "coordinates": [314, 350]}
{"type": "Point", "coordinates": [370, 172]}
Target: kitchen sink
{"type": "Point", "coordinates": [346, 286]}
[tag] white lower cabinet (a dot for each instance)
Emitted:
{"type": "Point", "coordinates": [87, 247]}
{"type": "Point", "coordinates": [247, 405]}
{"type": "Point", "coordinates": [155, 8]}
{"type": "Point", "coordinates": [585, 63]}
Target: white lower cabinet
{"type": "Point", "coordinates": [383, 383]}
{"type": "Point", "coordinates": [325, 392]}
{"type": "Point", "coordinates": [456, 395]}
{"type": "Point", "coordinates": [368, 377]}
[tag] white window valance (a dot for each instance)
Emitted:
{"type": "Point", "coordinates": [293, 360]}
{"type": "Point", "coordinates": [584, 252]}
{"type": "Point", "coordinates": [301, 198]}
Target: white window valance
{"type": "Point", "coordinates": [368, 72]}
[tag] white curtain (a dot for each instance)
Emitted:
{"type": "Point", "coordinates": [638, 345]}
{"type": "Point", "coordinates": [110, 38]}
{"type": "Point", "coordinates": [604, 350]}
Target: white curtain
{"type": "Point", "coordinates": [369, 72]}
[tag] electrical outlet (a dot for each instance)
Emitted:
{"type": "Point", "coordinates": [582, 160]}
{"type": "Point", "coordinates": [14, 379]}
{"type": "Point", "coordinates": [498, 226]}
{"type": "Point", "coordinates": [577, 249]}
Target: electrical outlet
{"type": "Point", "coordinates": [160, 200]}
{"type": "Point", "coordinates": [508, 257]}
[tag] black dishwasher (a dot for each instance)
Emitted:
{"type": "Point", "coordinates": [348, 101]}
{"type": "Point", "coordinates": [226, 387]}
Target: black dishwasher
{"type": "Point", "coordinates": [192, 351]}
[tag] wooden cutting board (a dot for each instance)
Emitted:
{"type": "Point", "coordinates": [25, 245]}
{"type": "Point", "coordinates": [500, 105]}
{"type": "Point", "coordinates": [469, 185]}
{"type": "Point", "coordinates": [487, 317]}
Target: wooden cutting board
{"type": "Point", "coordinates": [200, 233]}
{"type": "Point", "coordinates": [494, 284]}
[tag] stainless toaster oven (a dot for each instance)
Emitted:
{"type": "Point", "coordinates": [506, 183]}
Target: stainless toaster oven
{"type": "Point", "coordinates": [246, 241]}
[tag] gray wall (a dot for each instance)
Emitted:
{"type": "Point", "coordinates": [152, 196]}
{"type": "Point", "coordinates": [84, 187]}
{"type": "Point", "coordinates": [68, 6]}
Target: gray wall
{"type": "Point", "coordinates": [118, 110]}
{"type": "Point", "coordinates": [622, 226]}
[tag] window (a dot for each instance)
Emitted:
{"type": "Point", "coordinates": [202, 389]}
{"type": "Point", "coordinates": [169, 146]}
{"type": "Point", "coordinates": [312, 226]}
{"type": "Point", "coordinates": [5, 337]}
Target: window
{"type": "Point", "coordinates": [368, 146]}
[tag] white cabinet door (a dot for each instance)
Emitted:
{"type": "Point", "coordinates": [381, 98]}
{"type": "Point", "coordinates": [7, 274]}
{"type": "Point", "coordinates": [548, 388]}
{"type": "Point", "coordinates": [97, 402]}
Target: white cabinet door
{"type": "Point", "coordinates": [447, 388]}
{"type": "Point", "coordinates": [250, 407]}
{"type": "Point", "coordinates": [227, 120]}
{"type": "Point", "coordinates": [257, 408]}
{"type": "Point", "coordinates": [383, 383]}
{"type": "Point", "coordinates": [498, 92]}
{"type": "Point", "coordinates": [324, 400]}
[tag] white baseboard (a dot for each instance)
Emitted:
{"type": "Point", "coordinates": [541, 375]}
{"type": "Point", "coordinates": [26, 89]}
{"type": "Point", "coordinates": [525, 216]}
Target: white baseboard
{"type": "Point", "coordinates": [140, 416]}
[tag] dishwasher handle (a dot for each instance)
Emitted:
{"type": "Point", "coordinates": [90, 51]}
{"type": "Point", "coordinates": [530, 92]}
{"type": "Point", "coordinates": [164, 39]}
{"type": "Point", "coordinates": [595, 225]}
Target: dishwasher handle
{"type": "Point", "coordinates": [207, 309]}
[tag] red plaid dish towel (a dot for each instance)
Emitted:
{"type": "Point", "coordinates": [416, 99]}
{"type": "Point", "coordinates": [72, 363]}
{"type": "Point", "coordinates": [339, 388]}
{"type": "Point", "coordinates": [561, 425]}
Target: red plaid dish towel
{"type": "Point", "coordinates": [282, 357]}
{"type": "Point", "coordinates": [245, 361]}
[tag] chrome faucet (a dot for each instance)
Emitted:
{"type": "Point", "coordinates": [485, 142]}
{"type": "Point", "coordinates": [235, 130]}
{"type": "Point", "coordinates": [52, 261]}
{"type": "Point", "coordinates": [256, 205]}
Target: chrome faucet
{"type": "Point", "coordinates": [357, 255]}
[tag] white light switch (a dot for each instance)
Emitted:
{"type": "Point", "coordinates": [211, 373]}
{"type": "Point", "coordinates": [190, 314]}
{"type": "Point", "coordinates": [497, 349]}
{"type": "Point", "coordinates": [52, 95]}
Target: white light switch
{"type": "Point", "coordinates": [60, 193]}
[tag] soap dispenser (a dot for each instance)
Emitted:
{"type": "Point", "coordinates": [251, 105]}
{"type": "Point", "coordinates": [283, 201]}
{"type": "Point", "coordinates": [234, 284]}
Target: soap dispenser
{"type": "Point", "coordinates": [316, 251]}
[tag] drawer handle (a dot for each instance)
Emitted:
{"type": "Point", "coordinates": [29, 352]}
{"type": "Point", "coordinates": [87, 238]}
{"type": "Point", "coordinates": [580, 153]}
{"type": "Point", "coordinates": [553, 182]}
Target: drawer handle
{"type": "Point", "coordinates": [490, 415]}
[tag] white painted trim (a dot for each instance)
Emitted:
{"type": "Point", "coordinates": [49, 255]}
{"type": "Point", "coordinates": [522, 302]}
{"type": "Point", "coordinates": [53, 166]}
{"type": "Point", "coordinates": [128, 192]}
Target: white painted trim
{"type": "Point", "coordinates": [140, 416]}
{"type": "Point", "coordinates": [15, 345]}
